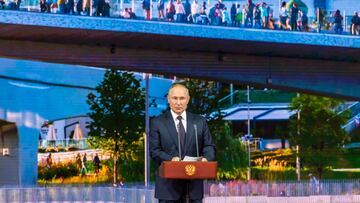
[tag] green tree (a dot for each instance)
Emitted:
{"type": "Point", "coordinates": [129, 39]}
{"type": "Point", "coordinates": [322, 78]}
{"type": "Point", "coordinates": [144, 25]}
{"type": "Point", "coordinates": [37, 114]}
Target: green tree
{"type": "Point", "coordinates": [355, 135]}
{"type": "Point", "coordinates": [204, 97]}
{"type": "Point", "coordinates": [117, 113]}
{"type": "Point", "coordinates": [318, 131]}
{"type": "Point", "coordinates": [300, 4]}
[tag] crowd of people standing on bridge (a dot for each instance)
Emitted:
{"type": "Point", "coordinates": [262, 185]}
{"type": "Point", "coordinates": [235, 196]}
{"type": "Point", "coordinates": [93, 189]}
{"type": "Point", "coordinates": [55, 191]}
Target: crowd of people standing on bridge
{"type": "Point", "coordinates": [249, 15]}
{"type": "Point", "coordinates": [10, 4]}
{"type": "Point", "coordinates": [79, 7]}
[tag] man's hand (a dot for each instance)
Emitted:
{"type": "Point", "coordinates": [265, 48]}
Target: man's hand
{"type": "Point", "coordinates": [175, 158]}
{"type": "Point", "coordinates": [203, 159]}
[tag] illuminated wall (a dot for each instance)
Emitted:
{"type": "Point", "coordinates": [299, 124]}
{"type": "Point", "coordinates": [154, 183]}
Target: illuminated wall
{"type": "Point", "coordinates": [33, 92]}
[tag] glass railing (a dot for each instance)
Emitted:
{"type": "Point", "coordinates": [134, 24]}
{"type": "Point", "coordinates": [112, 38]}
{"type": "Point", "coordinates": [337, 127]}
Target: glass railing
{"type": "Point", "coordinates": [354, 109]}
{"type": "Point", "coordinates": [256, 96]}
{"type": "Point", "coordinates": [209, 15]}
{"type": "Point", "coordinates": [344, 107]}
{"type": "Point", "coordinates": [63, 145]}
{"type": "Point", "coordinates": [354, 116]}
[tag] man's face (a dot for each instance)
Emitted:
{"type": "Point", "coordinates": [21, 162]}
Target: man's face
{"type": "Point", "coordinates": [178, 99]}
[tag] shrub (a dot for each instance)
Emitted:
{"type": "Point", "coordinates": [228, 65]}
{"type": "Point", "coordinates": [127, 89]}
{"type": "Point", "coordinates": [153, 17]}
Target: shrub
{"type": "Point", "coordinates": [236, 174]}
{"type": "Point", "coordinates": [60, 149]}
{"type": "Point", "coordinates": [104, 176]}
{"type": "Point", "coordinates": [71, 148]}
{"type": "Point", "coordinates": [57, 170]}
{"type": "Point", "coordinates": [51, 149]}
{"type": "Point", "coordinates": [265, 173]}
{"type": "Point", "coordinates": [41, 150]}
{"type": "Point", "coordinates": [276, 160]}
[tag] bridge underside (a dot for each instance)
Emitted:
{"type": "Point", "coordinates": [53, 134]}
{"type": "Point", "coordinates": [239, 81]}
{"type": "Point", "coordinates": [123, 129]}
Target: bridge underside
{"type": "Point", "coordinates": [330, 71]}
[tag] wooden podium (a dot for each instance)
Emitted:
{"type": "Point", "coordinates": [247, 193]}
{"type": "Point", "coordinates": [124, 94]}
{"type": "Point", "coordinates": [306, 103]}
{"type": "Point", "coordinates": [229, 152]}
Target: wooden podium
{"type": "Point", "coordinates": [188, 170]}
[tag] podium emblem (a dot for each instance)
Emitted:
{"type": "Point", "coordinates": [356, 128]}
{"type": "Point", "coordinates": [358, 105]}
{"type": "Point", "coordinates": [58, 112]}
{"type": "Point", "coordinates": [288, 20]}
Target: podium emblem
{"type": "Point", "coordinates": [190, 169]}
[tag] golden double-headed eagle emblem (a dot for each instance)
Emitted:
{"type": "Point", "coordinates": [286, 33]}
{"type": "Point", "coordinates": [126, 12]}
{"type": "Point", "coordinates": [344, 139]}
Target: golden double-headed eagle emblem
{"type": "Point", "coordinates": [190, 169]}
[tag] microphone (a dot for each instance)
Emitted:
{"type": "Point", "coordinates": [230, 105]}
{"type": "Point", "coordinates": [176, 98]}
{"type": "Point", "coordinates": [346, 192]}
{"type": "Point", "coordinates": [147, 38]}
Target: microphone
{"type": "Point", "coordinates": [179, 142]}
{"type": "Point", "coordinates": [196, 140]}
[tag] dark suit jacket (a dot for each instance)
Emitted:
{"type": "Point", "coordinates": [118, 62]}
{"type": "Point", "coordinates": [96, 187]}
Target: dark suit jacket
{"type": "Point", "coordinates": [164, 146]}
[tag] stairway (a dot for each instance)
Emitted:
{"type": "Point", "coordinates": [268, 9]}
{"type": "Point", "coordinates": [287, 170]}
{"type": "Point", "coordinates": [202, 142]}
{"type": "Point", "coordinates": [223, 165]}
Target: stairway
{"type": "Point", "coordinates": [353, 122]}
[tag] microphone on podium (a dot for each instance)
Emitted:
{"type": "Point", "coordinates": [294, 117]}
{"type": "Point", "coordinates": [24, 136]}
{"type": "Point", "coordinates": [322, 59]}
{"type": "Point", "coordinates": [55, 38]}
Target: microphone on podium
{"type": "Point", "coordinates": [196, 141]}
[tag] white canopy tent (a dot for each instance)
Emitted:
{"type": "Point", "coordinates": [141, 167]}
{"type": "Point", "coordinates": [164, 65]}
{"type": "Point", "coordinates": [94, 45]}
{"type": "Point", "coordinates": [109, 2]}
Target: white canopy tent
{"type": "Point", "coordinates": [51, 134]}
{"type": "Point", "coordinates": [78, 134]}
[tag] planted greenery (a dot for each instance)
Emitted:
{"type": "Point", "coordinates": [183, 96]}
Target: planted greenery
{"type": "Point", "coordinates": [57, 171]}
{"type": "Point", "coordinates": [71, 175]}
{"type": "Point", "coordinates": [274, 170]}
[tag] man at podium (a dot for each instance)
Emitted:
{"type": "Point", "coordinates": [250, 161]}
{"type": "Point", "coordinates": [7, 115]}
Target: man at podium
{"type": "Point", "coordinates": [172, 137]}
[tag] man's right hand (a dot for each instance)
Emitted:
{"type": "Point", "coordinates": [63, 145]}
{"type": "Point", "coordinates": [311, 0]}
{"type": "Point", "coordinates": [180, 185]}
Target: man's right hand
{"type": "Point", "coordinates": [175, 158]}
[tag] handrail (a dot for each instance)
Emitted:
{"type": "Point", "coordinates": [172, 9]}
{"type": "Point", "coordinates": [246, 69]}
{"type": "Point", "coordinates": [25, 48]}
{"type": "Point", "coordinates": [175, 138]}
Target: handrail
{"type": "Point", "coordinates": [229, 95]}
{"type": "Point", "coordinates": [349, 126]}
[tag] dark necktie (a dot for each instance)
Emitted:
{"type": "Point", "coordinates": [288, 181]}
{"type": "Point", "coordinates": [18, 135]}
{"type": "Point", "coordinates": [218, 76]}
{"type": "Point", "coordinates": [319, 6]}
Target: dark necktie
{"type": "Point", "coordinates": [181, 130]}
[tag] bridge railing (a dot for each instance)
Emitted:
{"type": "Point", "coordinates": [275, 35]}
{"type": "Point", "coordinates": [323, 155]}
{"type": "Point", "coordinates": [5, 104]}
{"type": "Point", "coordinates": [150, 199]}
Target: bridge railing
{"type": "Point", "coordinates": [117, 9]}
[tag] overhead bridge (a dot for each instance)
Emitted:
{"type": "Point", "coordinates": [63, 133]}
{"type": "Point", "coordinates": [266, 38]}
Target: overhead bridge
{"type": "Point", "coordinates": [324, 64]}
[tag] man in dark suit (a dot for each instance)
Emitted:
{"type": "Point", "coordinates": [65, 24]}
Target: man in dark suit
{"type": "Point", "coordinates": [168, 131]}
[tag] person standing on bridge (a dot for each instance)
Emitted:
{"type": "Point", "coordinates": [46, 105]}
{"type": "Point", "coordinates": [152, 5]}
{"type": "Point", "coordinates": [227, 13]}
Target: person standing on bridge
{"type": "Point", "coordinates": [283, 14]}
{"type": "Point", "coordinates": [355, 24]}
{"type": "Point", "coordinates": [195, 11]}
{"type": "Point", "coordinates": [304, 22]}
{"type": "Point", "coordinates": [187, 8]}
{"type": "Point", "coordinates": [160, 7]}
{"type": "Point", "coordinates": [264, 11]}
{"type": "Point", "coordinates": [170, 10]}
{"type": "Point", "coordinates": [249, 14]}
{"type": "Point", "coordinates": [70, 7]}
{"type": "Point", "coordinates": [98, 7]}
{"type": "Point", "coordinates": [294, 17]}
{"type": "Point", "coordinates": [106, 9]}
{"type": "Point", "coordinates": [338, 19]}
{"type": "Point", "coordinates": [233, 14]}
{"type": "Point", "coordinates": [146, 6]}
{"type": "Point", "coordinates": [18, 3]}
{"type": "Point", "coordinates": [86, 7]}
{"type": "Point", "coordinates": [179, 11]}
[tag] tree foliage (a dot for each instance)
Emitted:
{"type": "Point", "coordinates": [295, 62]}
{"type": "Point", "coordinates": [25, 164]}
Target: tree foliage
{"type": "Point", "coordinates": [204, 97]}
{"type": "Point", "coordinates": [117, 113]}
{"type": "Point", "coordinates": [318, 131]}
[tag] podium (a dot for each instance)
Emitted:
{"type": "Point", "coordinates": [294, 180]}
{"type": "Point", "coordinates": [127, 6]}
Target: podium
{"type": "Point", "coordinates": [188, 170]}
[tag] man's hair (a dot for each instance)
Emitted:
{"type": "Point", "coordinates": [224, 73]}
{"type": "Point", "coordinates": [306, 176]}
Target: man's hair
{"type": "Point", "coordinates": [178, 85]}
